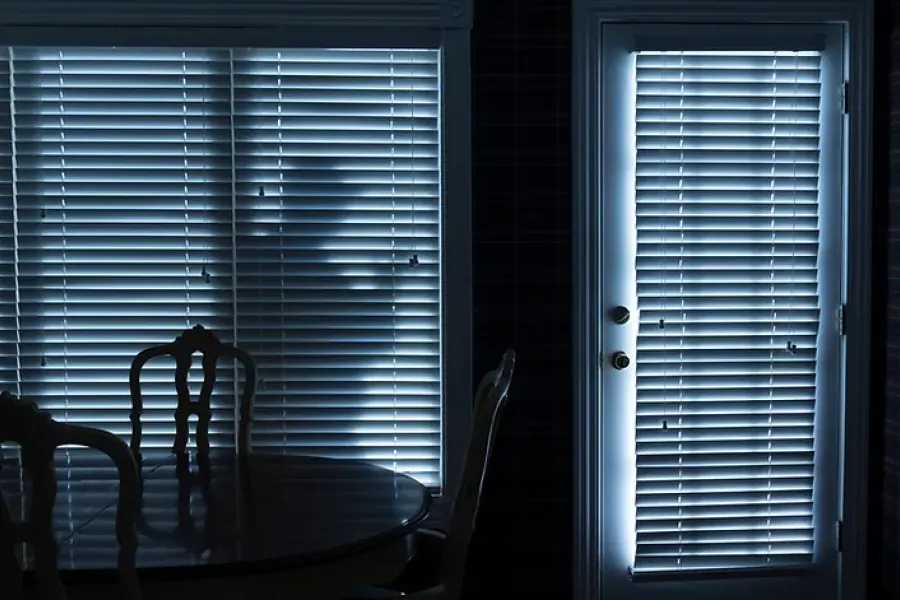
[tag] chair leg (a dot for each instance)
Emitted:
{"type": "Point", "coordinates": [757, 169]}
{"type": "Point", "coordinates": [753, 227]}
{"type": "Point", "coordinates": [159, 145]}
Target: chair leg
{"type": "Point", "coordinates": [46, 549]}
{"type": "Point", "coordinates": [10, 571]}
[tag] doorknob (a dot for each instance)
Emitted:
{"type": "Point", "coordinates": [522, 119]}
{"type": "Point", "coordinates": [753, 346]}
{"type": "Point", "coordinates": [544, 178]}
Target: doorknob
{"type": "Point", "coordinates": [620, 360]}
{"type": "Point", "coordinates": [620, 315]}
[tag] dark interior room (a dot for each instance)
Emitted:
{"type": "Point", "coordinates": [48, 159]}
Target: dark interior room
{"type": "Point", "coordinates": [508, 149]}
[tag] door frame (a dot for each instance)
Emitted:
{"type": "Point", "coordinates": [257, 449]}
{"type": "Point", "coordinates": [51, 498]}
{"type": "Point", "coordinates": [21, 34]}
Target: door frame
{"type": "Point", "coordinates": [587, 19]}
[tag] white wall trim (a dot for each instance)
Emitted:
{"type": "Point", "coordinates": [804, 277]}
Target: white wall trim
{"type": "Point", "coordinates": [587, 16]}
{"type": "Point", "coordinates": [442, 14]}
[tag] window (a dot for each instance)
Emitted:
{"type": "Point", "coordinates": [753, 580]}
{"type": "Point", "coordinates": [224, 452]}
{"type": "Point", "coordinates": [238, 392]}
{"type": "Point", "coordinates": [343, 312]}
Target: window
{"type": "Point", "coordinates": [288, 199]}
{"type": "Point", "coordinates": [722, 192]}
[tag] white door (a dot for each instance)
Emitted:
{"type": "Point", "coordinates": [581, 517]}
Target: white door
{"type": "Point", "coordinates": [721, 199]}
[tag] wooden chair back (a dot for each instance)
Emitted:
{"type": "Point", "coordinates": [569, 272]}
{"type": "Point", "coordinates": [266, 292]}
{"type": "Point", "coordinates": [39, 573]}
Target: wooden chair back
{"type": "Point", "coordinates": [38, 436]}
{"type": "Point", "coordinates": [182, 349]}
{"type": "Point", "coordinates": [490, 400]}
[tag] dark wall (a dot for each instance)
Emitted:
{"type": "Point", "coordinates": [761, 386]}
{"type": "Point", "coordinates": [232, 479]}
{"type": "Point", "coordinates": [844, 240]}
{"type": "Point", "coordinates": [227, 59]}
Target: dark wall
{"type": "Point", "coordinates": [522, 290]}
{"type": "Point", "coordinates": [885, 522]}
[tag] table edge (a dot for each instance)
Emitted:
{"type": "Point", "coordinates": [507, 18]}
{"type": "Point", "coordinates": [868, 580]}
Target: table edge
{"type": "Point", "coordinates": [243, 568]}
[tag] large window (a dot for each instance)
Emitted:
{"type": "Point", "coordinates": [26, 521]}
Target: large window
{"type": "Point", "coordinates": [287, 199]}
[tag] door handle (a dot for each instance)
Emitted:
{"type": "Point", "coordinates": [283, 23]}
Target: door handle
{"type": "Point", "coordinates": [620, 315]}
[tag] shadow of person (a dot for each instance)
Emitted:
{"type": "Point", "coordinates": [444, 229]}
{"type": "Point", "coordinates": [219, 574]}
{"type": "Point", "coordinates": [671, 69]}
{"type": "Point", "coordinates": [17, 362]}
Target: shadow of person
{"type": "Point", "coordinates": [338, 264]}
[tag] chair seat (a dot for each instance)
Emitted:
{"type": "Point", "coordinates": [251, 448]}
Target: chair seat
{"type": "Point", "coordinates": [424, 569]}
{"type": "Point", "coordinates": [421, 574]}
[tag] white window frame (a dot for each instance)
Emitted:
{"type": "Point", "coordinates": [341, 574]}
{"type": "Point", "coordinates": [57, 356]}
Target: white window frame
{"type": "Point", "coordinates": [444, 24]}
{"type": "Point", "coordinates": [588, 17]}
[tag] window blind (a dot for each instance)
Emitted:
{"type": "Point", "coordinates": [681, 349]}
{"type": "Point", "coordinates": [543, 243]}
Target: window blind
{"type": "Point", "coordinates": [9, 329]}
{"type": "Point", "coordinates": [288, 200]}
{"type": "Point", "coordinates": [727, 243]}
{"type": "Point", "coordinates": [123, 202]}
{"type": "Point", "coordinates": [337, 182]}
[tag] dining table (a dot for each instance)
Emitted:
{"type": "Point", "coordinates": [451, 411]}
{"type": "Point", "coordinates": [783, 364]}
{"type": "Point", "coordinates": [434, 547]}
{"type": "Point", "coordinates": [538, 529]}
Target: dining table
{"type": "Point", "coordinates": [263, 525]}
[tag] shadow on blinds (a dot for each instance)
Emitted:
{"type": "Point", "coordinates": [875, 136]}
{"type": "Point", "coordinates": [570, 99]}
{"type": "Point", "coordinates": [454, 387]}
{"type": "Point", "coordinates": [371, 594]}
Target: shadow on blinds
{"type": "Point", "coordinates": [338, 252]}
{"type": "Point", "coordinates": [346, 328]}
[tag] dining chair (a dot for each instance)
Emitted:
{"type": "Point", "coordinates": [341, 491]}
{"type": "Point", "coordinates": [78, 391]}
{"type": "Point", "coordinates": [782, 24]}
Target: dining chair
{"type": "Point", "coordinates": [438, 568]}
{"type": "Point", "coordinates": [182, 349]}
{"type": "Point", "coordinates": [38, 436]}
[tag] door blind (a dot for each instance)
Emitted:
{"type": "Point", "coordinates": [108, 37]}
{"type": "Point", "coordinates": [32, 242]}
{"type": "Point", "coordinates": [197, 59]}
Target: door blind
{"type": "Point", "coordinates": [287, 200]}
{"type": "Point", "coordinates": [727, 244]}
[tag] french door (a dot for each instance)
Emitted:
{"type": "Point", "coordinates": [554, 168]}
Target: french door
{"type": "Point", "coordinates": [720, 183]}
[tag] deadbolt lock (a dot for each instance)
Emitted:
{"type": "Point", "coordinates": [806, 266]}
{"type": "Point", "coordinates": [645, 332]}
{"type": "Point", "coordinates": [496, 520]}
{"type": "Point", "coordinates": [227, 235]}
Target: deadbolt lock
{"type": "Point", "coordinates": [620, 360]}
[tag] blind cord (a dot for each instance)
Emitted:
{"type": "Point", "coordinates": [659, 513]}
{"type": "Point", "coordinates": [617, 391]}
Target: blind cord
{"type": "Point", "coordinates": [63, 215]}
{"type": "Point", "coordinates": [663, 279]}
{"type": "Point", "coordinates": [414, 259]}
{"type": "Point", "coordinates": [65, 258]}
{"type": "Point", "coordinates": [186, 192]}
{"type": "Point", "coordinates": [680, 430]}
{"type": "Point", "coordinates": [773, 290]}
{"type": "Point", "coordinates": [283, 374]}
{"type": "Point", "coordinates": [394, 385]}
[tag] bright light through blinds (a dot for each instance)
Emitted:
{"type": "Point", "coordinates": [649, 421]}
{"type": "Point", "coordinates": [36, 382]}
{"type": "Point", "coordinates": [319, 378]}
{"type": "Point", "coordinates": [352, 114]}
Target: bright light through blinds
{"type": "Point", "coordinates": [288, 200]}
{"type": "Point", "coordinates": [123, 201]}
{"type": "Point", "coordinates": [338, 188]}
{"type": "Point", "coordinates": [727, 226]}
